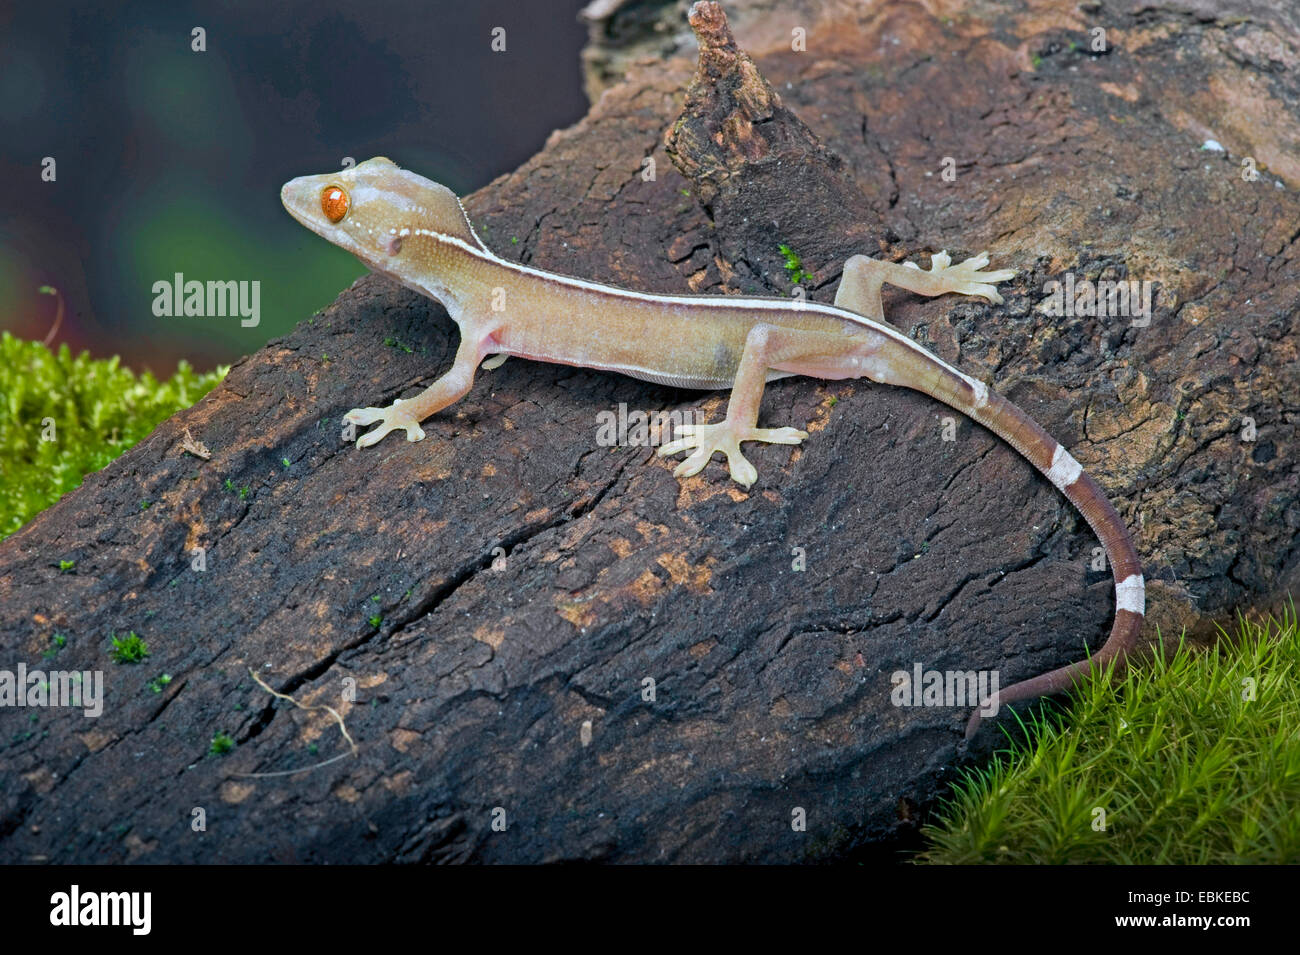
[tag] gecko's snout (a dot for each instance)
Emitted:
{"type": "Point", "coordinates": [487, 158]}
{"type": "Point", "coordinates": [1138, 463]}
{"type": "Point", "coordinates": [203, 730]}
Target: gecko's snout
{"type": "Point", "coordinates": [296, 196]}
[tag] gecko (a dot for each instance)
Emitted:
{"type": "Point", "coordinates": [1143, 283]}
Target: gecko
{"type": "Point", "coordinates": [416, 232]}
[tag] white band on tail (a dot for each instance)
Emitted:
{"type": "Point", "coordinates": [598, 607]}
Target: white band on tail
{"type": "Point", "coordinates": [1064, 470]}
{"type": "Point", "coordinates": [1131, 594]}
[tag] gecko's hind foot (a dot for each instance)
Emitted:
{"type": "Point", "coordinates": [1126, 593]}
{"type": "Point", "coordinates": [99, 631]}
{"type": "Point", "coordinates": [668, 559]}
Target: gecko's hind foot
{"type": "Point", "coordinates": [389, 419]}
{"type": "Point", "coordinates": [965, 278]}
{"type": "Point", "coordinates": [704, 439]}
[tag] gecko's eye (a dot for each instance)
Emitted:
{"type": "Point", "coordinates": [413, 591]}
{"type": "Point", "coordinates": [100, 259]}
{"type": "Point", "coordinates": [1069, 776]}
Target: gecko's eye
{"type": "Point", "coordinates": [334, 203]}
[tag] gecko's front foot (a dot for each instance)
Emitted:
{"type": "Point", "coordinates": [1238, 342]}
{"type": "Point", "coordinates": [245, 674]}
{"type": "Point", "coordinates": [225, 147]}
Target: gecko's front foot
{"type": "Point", "coordinates": [389, 419]}
{"type": "Point", "coordinates": [724, 437]}
{"type": "Point", "coordinates": [965, 278]}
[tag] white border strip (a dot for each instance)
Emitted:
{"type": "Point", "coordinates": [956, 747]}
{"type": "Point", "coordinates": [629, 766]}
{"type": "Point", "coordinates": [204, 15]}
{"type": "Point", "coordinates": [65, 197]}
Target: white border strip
{"type": "Point", "coordinates": [1064, 470]}
{"type": "Point", "coordinates": [1131, 594]}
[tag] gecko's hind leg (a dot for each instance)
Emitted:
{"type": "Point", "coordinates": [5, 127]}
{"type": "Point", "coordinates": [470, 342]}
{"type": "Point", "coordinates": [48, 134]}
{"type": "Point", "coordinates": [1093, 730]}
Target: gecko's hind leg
{"type": "Point", "coordinates": [767, 347]}
{"type": "Point", "coordinates": [863, 276]}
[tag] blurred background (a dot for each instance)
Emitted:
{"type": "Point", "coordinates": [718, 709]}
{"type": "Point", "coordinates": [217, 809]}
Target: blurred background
{"type": "Point", "coordinates": [169, 160]}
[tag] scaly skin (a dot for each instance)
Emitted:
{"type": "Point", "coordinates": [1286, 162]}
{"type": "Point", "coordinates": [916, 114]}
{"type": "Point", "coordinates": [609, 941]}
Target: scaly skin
{"type": "Point", "coordinates": [415, 231]}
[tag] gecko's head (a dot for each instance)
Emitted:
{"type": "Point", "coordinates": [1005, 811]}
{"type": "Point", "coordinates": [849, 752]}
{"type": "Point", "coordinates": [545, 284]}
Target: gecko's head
{"type": "Point", "coordinates": [378, 212]}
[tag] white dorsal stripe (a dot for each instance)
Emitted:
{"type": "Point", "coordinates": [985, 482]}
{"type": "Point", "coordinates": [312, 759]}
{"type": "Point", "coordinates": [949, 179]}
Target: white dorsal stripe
{"type": "Point", "coordinates": [1131, 594]}
{"type": "Point", "coordinates": [1064, 470]}
{"type": "Point", "coordinates": [713, 301]}
{"type": "Point", "coordinates": [469, 225]}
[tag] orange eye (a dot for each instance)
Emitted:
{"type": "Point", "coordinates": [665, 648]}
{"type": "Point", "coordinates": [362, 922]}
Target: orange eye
{"type": "Point", "coordinates": [334, 203]}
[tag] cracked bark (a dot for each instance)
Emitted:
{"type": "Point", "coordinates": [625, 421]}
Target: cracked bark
{"type": "Point", "coordinates": [771, 685]}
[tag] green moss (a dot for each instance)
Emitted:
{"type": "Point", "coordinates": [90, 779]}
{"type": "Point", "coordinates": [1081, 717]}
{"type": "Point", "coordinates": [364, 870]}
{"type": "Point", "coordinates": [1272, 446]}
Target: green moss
{"type": "Point", "coordinates": [159, 683]}
{"type": "Point", "coordinates": [794, 266]}
{"type": "Point", "coordinates": [63, 417]}
{"type": "Point", "coordinates": [129, 649]}
{"type": "Point", "coordinates": [221, 744]}
{"type": "Point", "coordinates": [57, 643]}
{"type": "Point", "coordinates": [1194, 759]}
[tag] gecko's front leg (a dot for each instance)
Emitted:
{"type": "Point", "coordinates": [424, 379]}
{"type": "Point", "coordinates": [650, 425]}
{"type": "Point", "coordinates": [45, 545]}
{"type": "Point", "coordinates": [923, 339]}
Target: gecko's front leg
{"type": "Point", "coordinates": [766, 347]}
{"type": "Point", "coordinates": [407, 413]}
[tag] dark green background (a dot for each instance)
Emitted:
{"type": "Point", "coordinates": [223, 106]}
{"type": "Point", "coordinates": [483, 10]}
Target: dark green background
{"type": "Point", "coordinates": [171, 160]}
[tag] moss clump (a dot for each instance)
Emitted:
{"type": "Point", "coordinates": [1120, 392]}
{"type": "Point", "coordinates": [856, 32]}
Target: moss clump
{"type": "Point", "coordinates": [794, 266]}
{"type": "Point", "coordinates": [63, 417]}
{"type": "Point", "coordinates": [129, 649]}
{"type": "Point", "coordinates": [1194, 759]}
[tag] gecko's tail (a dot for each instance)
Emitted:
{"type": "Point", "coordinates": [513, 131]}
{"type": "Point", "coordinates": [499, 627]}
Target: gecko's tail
{"type": "Point", "coordinates": [1042, 451]}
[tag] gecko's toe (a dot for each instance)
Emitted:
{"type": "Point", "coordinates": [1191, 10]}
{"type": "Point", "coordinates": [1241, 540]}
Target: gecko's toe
{"type": "Point", "coordinates": [685, 437]}
{"type": "Point", "coordinates": [675, 447]}
{"type": "Point", "coordinates": [777, 435]}
{"type": "Point", "coordinates": [373, 437]}
{"type": "Point", "coordinates": [694, 464]}
{"type": "Point", "coordinates": [364, 416]}
{"type": "Point", "coordinates": [742, 472]}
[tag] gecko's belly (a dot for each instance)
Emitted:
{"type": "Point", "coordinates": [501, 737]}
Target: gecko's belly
{"type": "Point", "coordinates": [653, 345]}
{"type": "Point", "coordinates": [674, 379]}
{"type": "Point", "coordinates": [684, 346]}
{"type": "Point", "coordinates": [692, 381]}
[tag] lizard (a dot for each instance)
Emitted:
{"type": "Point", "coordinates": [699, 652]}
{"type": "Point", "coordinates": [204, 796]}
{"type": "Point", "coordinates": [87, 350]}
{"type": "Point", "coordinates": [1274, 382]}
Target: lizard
{"type": "Point", "coordinates": [417, 232]}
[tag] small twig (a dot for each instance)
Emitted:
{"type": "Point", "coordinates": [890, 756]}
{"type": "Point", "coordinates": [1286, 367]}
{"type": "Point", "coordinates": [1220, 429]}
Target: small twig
{"type": "Point", "coordinates": [293, 772]}
{"type": "Point", "coordinates": [302, 706]}
{"type": "Point", "coordinates": [58, 314]}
